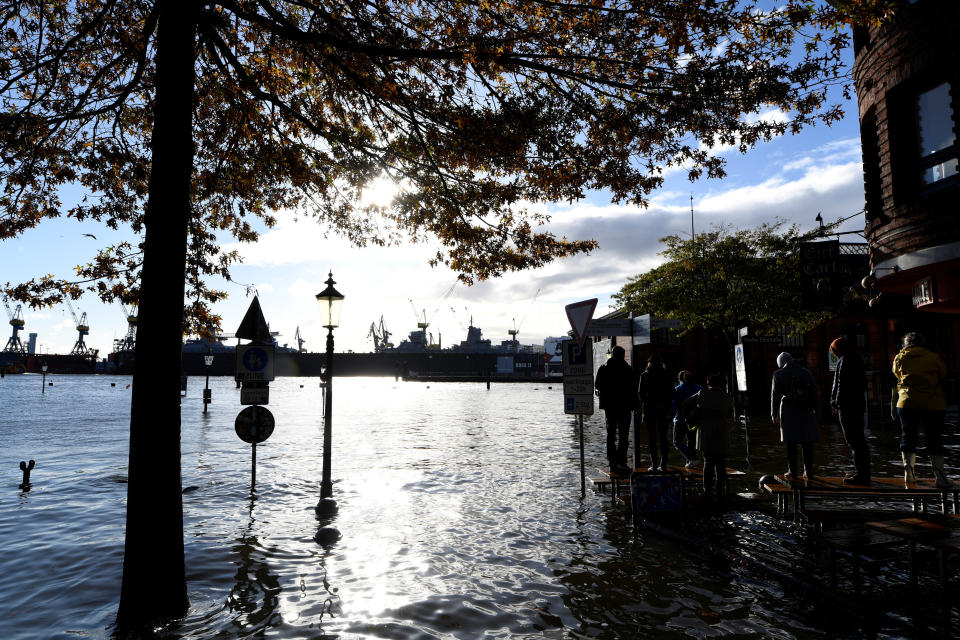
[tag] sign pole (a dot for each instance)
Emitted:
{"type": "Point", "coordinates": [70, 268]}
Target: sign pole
{"type": "Point", "coordinates": [254, 424]}
{"type": "Point", "coordinates": [583, 474]}
{"type": "Point", "coordinates": [253, 468]}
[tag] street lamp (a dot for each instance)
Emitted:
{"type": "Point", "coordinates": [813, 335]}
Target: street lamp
{"type": "Point", "coordinates": [330, 301]}
{"type": "Point", "coordinates": [43, 382]}
{"type": "Point", "coordinates": [207, 360]}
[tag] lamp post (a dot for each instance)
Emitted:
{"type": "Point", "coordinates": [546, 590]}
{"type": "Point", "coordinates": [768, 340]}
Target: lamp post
{"type": "Point", "coordinates": [207, 360]}
{"type": "Point", "coordinates": [43, 382]}
{"type": "Point", "coordinates": [330, 301]}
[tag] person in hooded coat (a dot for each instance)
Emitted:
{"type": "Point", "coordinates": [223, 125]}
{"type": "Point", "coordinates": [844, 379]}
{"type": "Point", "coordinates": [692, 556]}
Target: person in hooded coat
{"type": "Point", "coordinates": [616, 385]}
{"type": "Point", "coordinates": [848, 399]}
{"type": "Point", "coordinates": [921, 404]}
{"type": "Point", "coordinates": [793, 407]}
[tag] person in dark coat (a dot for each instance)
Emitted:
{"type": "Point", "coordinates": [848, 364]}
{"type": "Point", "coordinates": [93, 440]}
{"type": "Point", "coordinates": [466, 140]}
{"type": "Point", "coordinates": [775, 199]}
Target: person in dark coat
{"type": "Point", "coordinates": [710, 410]}
{"type": "Point", "coordinates": [656, 395]}
{"type": "Point", "coordinates": [793, 407]}
{"type": "Point", "coordinates": [684, 439]}
{"type": "Point", "coordinates": [616, 386]}
{"type": "Point", "coordinates": [848, 400]}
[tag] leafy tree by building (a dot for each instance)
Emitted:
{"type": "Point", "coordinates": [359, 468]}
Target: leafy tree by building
{"type": "Point", "coordinates": [182, 120]}
{"type": "Point", "coordinates": [725, 279]}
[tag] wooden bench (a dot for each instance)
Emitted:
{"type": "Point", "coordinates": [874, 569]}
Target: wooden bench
{"type": "Point", "coordinates": [608, 478]}
{"type": "Point", "coordinates": [857, 542]}
{"type": "Point", "coordinates": [938, 532]}
{"type": "Point", "coordinates": [782, 493]}
{"type": "Point", "coordinates": [881, 489]}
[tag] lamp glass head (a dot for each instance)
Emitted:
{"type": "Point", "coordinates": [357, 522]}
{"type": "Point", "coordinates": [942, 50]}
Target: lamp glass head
{"type": "Point", "coordinates": [330, 301]}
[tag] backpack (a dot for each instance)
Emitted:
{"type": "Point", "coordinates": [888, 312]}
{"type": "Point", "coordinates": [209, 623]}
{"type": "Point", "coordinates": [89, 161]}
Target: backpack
{"type": "Point", "coordinates": [799, 393]}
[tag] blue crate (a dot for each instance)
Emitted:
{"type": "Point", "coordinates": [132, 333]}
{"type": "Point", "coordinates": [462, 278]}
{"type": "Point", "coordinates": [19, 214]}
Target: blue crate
{"type": "Point", "coordinates": [652, 493]}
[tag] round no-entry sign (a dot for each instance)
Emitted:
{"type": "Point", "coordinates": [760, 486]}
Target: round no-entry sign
{"type": "Point", "coordinates": [254, 424]}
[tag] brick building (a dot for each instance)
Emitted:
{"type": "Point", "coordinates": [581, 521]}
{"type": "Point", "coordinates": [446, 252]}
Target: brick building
{"type": "Point", "coordinates": [907, 77]}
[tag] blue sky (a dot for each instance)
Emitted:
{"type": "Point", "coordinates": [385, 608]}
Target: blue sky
{"type": "Point", "coordinates": [791, 177]}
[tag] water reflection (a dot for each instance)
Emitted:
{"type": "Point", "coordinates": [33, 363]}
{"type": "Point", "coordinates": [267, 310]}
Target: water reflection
{"type": "Point", "coordinates": [254, 599]}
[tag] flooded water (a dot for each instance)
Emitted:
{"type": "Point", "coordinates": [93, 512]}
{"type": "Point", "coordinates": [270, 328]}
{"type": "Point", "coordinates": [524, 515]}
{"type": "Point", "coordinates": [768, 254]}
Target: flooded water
{"type": "Point", "coordinates": [460, 510]}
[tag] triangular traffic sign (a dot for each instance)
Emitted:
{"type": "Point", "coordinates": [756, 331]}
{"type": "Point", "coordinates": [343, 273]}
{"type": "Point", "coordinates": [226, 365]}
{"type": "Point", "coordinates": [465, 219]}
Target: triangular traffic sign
{"type": "Point", "coordinates": [580, 314]}
{"type": "Point", "coordinates": [254, 327]}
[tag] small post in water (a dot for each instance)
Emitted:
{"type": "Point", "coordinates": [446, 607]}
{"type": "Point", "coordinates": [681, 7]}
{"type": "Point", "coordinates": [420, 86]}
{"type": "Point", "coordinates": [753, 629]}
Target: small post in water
{"type": "Point", "coordinates": [26, 468]}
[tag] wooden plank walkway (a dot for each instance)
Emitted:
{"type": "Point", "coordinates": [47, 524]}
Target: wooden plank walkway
{"type": "Point", "coordinates": [942, 533]}
{"type": "Point", "coordinates": [833, 488]}
{"type": "Point", "coordinates": [605, 478]}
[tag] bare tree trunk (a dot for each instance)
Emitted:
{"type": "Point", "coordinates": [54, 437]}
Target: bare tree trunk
{"type": "Point", "coordinates": [154, 579]}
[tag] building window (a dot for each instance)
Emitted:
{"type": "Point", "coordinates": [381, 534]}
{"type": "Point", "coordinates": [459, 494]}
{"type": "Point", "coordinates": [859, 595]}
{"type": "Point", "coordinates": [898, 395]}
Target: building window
{"type": "Point", "coordinates": [923, 292]}
{"type": "Point", "coordinates": [871, 165]}
{"type": "Point", "coordinates": [938, 151]}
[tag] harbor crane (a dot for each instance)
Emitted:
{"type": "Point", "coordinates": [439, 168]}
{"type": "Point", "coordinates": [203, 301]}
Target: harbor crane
{"type": "Point", "coordinates": [423, 323]}
{"type": "Point", "coordinates": [14, 345]}
{"type": "Point", "coordinates": [129, 341]}
{"type": "Point", "coordinates": [516, 328]}
{"type": "Point", "coordinates": [380, 335]}
{"type": "Point", "coordinates": [83, 329]}
{"type": "Point", "coordinates": [300, 341]}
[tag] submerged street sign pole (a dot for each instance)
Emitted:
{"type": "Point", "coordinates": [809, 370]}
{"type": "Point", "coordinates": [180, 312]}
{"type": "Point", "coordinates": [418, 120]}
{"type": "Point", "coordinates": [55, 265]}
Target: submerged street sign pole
{"type": "Point", "coordinates": [578, 372]}
{"type": "Point", "coordinates": [255, 370]}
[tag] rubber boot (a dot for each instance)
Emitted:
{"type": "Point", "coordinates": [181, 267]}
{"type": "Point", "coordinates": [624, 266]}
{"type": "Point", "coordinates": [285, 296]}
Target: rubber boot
{"type": "Point", "coordinates": [909, 463]}
{"type": "Point", "coordinates": [943, 482]}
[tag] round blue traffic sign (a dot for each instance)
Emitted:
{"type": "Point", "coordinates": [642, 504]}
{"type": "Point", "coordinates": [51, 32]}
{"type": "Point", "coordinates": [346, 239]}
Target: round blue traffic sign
{"type": "Point", "coordinates": [255, 359]}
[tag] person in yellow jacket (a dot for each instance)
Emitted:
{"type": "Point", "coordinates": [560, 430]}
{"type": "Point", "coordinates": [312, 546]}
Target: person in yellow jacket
{"type": "Point", "coordinates": [921, 403]}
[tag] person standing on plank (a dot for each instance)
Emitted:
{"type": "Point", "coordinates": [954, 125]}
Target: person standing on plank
{"type": "Point", "coordinates": [922, 405]}
{"type": "Point", "coordinates": [793, 407]}
{"type": "Point", "coordinates": [656, 395]}
{"type": "Point", "coordinates": [848, 400]}
{"type": "Point", "coordinates": [616, 385]}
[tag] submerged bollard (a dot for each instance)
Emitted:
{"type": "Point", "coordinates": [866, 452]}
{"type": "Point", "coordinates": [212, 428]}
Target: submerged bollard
{"type": "Point", "coordinates": [26, 468]}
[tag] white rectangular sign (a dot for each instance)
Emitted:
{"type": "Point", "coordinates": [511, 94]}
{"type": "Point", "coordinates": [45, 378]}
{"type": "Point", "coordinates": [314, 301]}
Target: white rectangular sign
{"type": "Point", "coordinates": [582, 405]}
{"type": "Point", "coordinates": [255, 392]}
{"type": "Point", "coordinates": [643, 325]}
{"type": "Point", "coordinates": [741, 367]}
{"type": "Point", "coordinates": [610, 327]}
{"type": "Point", "coordinates": [578, 385]}
{"type": "Point", "coordinates": [578, 369]}
{"type": "Point", "coordinates": [255, 362]}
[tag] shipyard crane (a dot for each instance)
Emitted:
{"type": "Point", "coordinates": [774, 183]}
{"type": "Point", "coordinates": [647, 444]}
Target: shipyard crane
{"type": "Point", "coordinates": [516, 328]}
{"type": "Point", "coordinates": [380, 335]}
{"type": "Point", "coordinates": [79, 347]}
{"type": "Point", "coordinates": [16, 321]}
{"type": "Point", "coordinates": [128, 342]}
{"type": "Point", "coordinates": [513, 332]}
{"type": "Point", "coordinates": [300, 341]}
{"type": "Point", "coordinates": [423, 323]}
{"type": "Point", "coordinates": [457, 318]}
